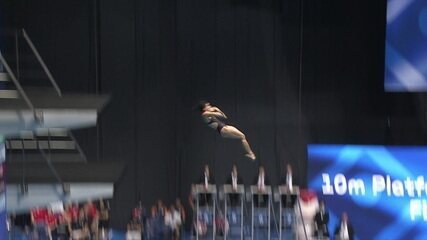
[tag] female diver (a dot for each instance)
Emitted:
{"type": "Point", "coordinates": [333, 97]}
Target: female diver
{"type": "Point", "coordinates": [211, 115]}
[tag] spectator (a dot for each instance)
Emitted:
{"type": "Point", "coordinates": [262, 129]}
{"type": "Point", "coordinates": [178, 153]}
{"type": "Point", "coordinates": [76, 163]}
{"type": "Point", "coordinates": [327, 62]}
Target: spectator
{"type": "Point", "coordinates": [134, 229]}
{"type": "Point", "coordinates": [21, 223]}
{"type": "Point", "coordinates": [321, 220]}
{"type": "Point", "coordinates": [80, 227]}
{"type": "Point", "coordinates": [63, 227]}
{"type": "Point", "coordinates": [160, 208]}
{"type": "Point", "coordinates": [344, 231]}
{"type": "Point", "coordinates": [182, 213]}
{"type": "Point", "coordinates": [104, 217]}
{"type": "Point", "coordinates": [141, 212]}
{"type": "Point", "coordinates": [173, 221]}
{"type": "Point", "coordinates": [51, 223]}
{"type": "Point", "coordinates": [91, 214]}
{"type": "Point", "coordinates": [152, 223]}
{"type": "Point", "coordinates": [38, 216]}
{"type": "Point", "coordinates": [72, 211]}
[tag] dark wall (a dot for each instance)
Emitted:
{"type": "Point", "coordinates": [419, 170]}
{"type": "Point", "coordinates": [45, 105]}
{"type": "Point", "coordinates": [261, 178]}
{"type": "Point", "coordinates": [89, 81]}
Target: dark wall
{"type": "Point", "coordinates": [286, 72]}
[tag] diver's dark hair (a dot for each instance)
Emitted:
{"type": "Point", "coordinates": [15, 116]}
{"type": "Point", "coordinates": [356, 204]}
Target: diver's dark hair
{"type": "Point", "coordinates": [202, 105]}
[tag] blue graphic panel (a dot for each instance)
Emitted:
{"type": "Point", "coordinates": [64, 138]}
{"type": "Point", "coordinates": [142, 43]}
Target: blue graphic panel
{"type": "Point", "coordinates": [406, 48]}
{"type": "Point", "coordinates": [382, 188]}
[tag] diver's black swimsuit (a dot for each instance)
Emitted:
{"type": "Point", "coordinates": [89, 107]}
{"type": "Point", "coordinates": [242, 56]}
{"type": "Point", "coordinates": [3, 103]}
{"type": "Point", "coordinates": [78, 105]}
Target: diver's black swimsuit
{"type": "Point", "coordinates": [214, 119]}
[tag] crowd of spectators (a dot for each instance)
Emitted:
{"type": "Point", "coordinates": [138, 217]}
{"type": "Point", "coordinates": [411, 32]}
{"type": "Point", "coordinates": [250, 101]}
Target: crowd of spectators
{"type": "Point", "coordinates": [75, 221]}
{"type": "Point", "coordinates": [160, 222]}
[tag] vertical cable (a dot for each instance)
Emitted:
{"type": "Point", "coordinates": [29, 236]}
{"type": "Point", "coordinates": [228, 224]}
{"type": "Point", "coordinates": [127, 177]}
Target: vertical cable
{"type": "Point", "coordinates": [236, 88]}
{"type": "Point", "coordinates": [301, 43]}
{"type": "Point", "coordinates": [178, 133]}
{"type": "Point", "coordinates": [215, 80]}
{"type": "Point", "coordinates": [300, 99]}
{"type": "Point", "coordinates": [23, 167]}
{"type": "Point", "coordinates": [135, 92]}
{"type": "Point", "coordinates": [18, 75]}
{"type": "Point", "coordinates": [96, 42]}
{"type": "Point", "coordinates": [300, 66]}
{"type": "Point", "coordinates": [276, 148]}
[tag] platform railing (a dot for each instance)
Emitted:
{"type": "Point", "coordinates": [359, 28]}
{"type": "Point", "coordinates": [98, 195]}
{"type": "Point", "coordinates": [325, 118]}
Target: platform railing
{"type": "Point", "coordinates": [15, 77]}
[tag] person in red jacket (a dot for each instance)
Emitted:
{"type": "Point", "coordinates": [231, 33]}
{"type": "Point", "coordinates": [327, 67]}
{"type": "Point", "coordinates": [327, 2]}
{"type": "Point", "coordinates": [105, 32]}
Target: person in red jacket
{"type": "Point", "coordinates": [63, 228]}
{"type": "Point", "coordinates": [91, 213]}
{"type": "Point", "coordinates": [51, 222]}
{"type": "Point", "coordinates": [72, 211]}
{"type": "Point", "coordinates": [38, 219]}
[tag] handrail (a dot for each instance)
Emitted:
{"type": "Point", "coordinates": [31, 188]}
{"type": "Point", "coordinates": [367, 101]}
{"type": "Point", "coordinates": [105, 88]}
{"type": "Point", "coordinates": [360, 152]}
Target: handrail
{"type": "Point", "coordinates": [54, 83]}
{"type": "Point", "coordinates": [46, 155]}
{"type": "Point", "coordinates": [17, 84]}
{"type": "Point", "coordinates": [42, 63]}
{"type": "Point", "coordinates": [79, 149]}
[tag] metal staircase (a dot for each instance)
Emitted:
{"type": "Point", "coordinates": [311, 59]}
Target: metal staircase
{"type": "Point", "coordinates": [7, 90]}
{"type": "Point", "coordinates": [31, 99]}
{"type": "Point", "coordinates": [36, 119]}
{"type": "Point", "coordinates": [60, 143]}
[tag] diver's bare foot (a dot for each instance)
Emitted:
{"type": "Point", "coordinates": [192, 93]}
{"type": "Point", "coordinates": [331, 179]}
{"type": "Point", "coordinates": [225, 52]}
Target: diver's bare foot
{"type": "Point", "coordinates": [251, 156]}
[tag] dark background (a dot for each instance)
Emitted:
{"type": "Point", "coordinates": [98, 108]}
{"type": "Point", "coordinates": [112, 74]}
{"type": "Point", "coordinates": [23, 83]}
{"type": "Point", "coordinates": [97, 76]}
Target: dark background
{"type": "Point", "coordinates": [286, 72]}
